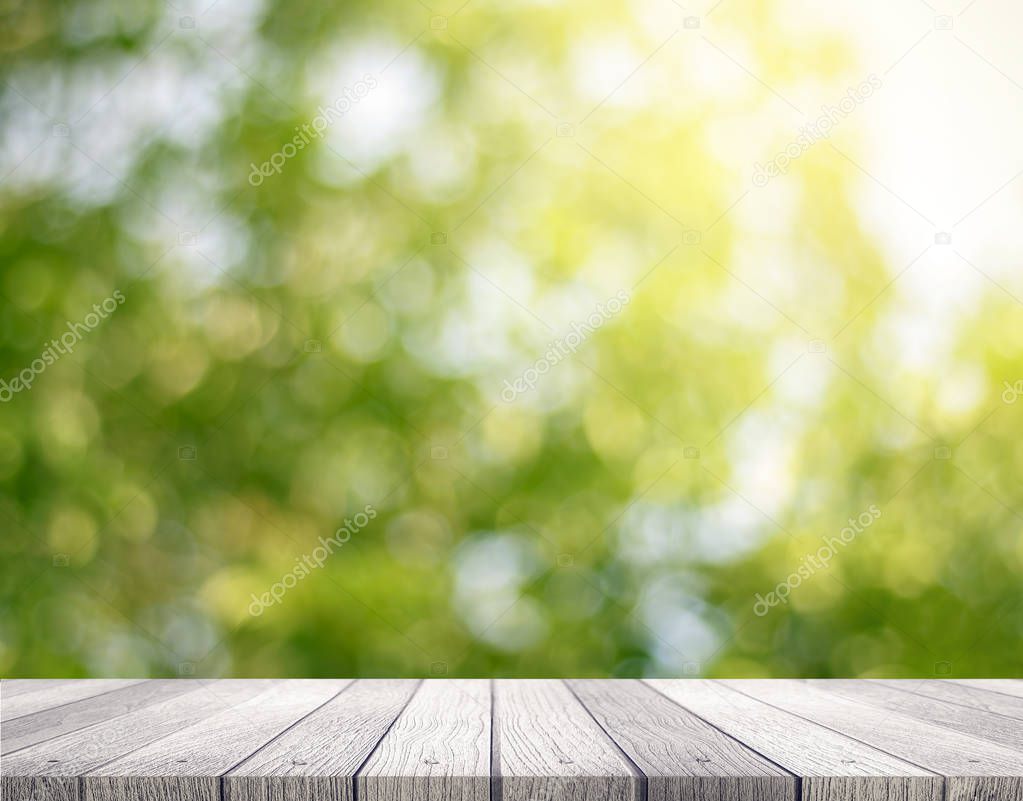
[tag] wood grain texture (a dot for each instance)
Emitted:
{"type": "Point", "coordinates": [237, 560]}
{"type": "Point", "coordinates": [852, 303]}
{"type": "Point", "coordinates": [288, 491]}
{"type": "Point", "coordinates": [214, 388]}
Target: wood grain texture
{"type": "Point", "coordinates": [38, 788]}
{"type": "Point", "coordinates": [439, 747]}
{"type": "Point", "coordinates": [1003, 686]}
{"type": "Point", "coordinates": [962, 758]}
{"type": "Point", "coordinates": [986, 725]}
{"type": "Point", "coordinates": [316, 760]}
{"type": "Point", "coordinates": [833, 767]}
{"type": "Point", "coordinates": [682, 756]}
{"type": "Point", "coordinates": [77, 753]}
{"type": "Point", "coordinates": [548, 747]}
{"type": "Point", "coordinates": [512, 740]}
{"type": "Point", "coordinates": [30, 729]}
{"type": "Point", "coordinates": [956, 693]}
{"type": "Point", "coordinates": [36, 700]}
{"type": "Point", "coordinates": [12, 687]}
{"type": "Point", "coordinates": [187, 765]}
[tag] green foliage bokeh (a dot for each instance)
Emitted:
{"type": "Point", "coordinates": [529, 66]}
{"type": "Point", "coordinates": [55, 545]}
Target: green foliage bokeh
{"type": "Point", "coordinates": [339, 337]}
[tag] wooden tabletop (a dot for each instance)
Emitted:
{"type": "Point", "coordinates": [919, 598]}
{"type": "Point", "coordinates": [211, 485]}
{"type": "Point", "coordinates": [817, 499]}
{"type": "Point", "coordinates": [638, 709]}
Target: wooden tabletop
{"type": "Point", "coordinates": [511, 740]}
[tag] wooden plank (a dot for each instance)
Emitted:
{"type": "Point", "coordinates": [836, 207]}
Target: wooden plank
{"type": "Point", "coordinates": [53, 767]}
{"type": "Point", "coordinates": [956, 693]}
{"type": "Point", "coordinates": [38, 788]}
{"type": "Point", "coordinates": [1004, 686]}
{"type": "Point", "coordinates": [50, 696]}
{"type": "Point", "coordinates": [547, 747]}
{"type": "Point", "coordinates": [832, 767]}
{"type": "Point", "coordinates": [316, 760]}
{"type": "Point", "coordinates": [438, 748]}
{"type": "Point", "coordinates": [12, 687]}
{"type": "Point", "coordinates": [987, 726]}
{"type": "Point", "coordinates": [31, 729]}
{"type": "Point", "coordinates": [187, 765]}
{"type": "Point", "coordinates": [975, 769]}
{"type": "Point", "coordinates": [514, 740]}
{"type": "Point", "coordinates": [682, 756]}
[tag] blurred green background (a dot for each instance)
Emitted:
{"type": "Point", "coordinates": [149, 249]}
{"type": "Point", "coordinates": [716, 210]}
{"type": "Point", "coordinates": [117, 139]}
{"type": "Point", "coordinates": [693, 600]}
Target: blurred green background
{"type": "Point", "coordinates": [339, 335]}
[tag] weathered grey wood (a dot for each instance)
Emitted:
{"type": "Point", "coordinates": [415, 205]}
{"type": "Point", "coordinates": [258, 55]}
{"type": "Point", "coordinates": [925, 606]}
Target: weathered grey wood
{"type": "Point", "coordinates": [30, 729]}
{"type": "Point", "coordinates": [38, 788]}
{"type": "Point", "coordinates": [975, 769]}
{"type": "Point", "coordinates": [832, 767]}
{"type": "Point", "coordinates": [513, 740]}
{"type": "Point", "coordinates": [439, 747]}
{"type": "Point", "coordinates": [27, 703]}
{"type": "Point", "coordinates": [986, 725]}
{"type": "Point", "coordinates": [962, 694]}
{"type": "Point", "coordinates": [12, 687]}
{"type": "Point", "coordinates": [187, 764]}
{"type": "Point", "coordinates": [62, 759]}
{"type": "Point", "coordinates": [547, 746]}
{"type": "Point", "coordinates": [1004, 686]}
{"type": "Point", "coordinates": [682, 756]}
{"type": "Point", "coordinates": [316, 760]}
